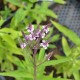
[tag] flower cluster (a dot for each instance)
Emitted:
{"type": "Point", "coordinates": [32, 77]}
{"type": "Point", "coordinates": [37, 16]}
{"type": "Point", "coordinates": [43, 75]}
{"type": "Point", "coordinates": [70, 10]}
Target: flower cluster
{"type": "Point", "coordinates": [36, 35]}
{"type": "Point", "coordinates": [44, 44]}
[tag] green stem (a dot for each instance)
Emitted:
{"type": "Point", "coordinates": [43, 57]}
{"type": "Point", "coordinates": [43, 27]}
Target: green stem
{"type": "Point", "coordinates": [34, 68]}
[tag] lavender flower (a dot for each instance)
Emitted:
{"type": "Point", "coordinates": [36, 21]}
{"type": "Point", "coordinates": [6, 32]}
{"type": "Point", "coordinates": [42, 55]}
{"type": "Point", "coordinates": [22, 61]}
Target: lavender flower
{"type": "Point", "coordinates": [30, 28]}
{"type": "Point", "coordinates": [43, 35]}
{"type": "Point", "coordinates": [40, 34]}
{"type": "Point", "coordinates": [44, 44]}
{"type": "Point", "coordinates": [36, 35]}
{"type": "Point", "coordinates": [27, 37]}
{"type": "Point", "coordinates": [23, 45]}
{"type": "Point", "coordinates": [32, 36]}
{"type": "Point", "coordinates": [45, 28]}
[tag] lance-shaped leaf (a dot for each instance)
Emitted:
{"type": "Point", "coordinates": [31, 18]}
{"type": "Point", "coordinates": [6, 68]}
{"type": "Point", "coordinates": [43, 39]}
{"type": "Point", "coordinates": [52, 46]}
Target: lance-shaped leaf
{"type": "Point", "coordinates": [11, 44]}
{"type": "Point", "coordinates": [66, 48]}
{"type": "Point", "coordinates": [14, 34]}
{"type": "Point", "coordinates": [51, 78]}
{"type": "Point", "coordinates": [17, 74]}
{"type": "Point", "coordinates": [69, 33]}
{"type": "Point", "coordinates": [41, 54]}
{"type": "Point", "coordinates": [53, 62]}
{"type": "Point", "coordinates": [60, 1]}
{"type": "Point", "coordinates": [55, 38]}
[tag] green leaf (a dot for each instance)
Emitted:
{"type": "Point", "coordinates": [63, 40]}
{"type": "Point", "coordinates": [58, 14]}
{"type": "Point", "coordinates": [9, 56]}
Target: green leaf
{"type": "Point", "coordinates": [1, 21]}
{"type": "Point", "coordinates": [76, 75]}
{"type": "Point", "coordinates": [55, 62]}
{"type": "Point", "coordinates": [55, 38]}
{"type": "Point", "coordinates": [41, 54]}
{"type": "Point", "coordinates": [52, 46]}
{"type": "Point", "coordinates": [46, 78]}
{"type": "Point", "coordinates": [50, 78]}
{"type": "Point", "coordinates": [19, 16]}
{"type": "Point", "coordinates": [60, 1]}
{"type": "Point", "coordinates": [13, 33]}
{"type": "Point", "coordinates": [24, 79]}
{"type": "Point", "coordinates": [9, 40]}
{"type": "Point", "coordinates": [6, 66]}
{"type": "Point", "coordinates": [66, 48]}
{"type": "Point", "coordinates": [52, 14]}
{"type": "Point", "coordinates": [28, 59]}
{"type": "Point", "coordinates": [33, 1]}
{"type": "Point", "coordinates": [17, 74]}
{"type": "Point", "coordinates": [49, 34]}
{"type": "Point", "coordinates": [11, 45]}
{"type": "Point", "coordinates": [16, 61]}
{"type": "Point", "coordinates": [69, 33]}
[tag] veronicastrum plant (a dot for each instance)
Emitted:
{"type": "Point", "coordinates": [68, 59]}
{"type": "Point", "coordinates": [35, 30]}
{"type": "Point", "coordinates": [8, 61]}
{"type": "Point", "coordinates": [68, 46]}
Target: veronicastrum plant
{"type": "Point", "coordinates": [9, 36]}
{"type": "Point", "coordinates": [33, 47]}
{"type": "Point", "coordinates": [9, 46]}
{"type": "Point", "coordinates": [32, 66]}
{"type": "Point", "coordinates": [71, 68]}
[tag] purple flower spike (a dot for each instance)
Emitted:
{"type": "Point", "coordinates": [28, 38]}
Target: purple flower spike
{"type": "Point", "coordinates": [40, 34]}
{"type": "Point", "coordinates": [32, 36]}
{"type": "Point", "coordinates": [23, 45]}
{"type": "Point", "coordinates": [27, 37]}
{"type": "Point", "coordinates": [43, 35]}
{"type": "Point", "coordinates": [44, 44]}
{"type": "Point", "coordinates": [45, 28]}
{"type": "Point", "coordinates": [30, 28]}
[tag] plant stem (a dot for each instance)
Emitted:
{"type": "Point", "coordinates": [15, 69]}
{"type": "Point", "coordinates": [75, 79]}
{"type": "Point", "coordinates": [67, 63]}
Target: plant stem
{"type": "Point", "coordinates": [34, 57]}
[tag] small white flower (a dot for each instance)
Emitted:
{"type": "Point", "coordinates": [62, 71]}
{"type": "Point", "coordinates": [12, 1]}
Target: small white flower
{"type": "Point", "coordinates": [43, 35]}
{"type": "Point", "coordinates": [45, 28]}
{"type": "Point", "coordinates": [38, 33]}
{"type": "Point", "coordinates": [23, 45]}
{"type": "Point", "coordinates": [30, 28]}
{"type": "Point", "coordinates": [32, 36]}
{"type": "Point", "coordinates": [44, 44]}
{"type": "Point", "coordinates": [27, 37]}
